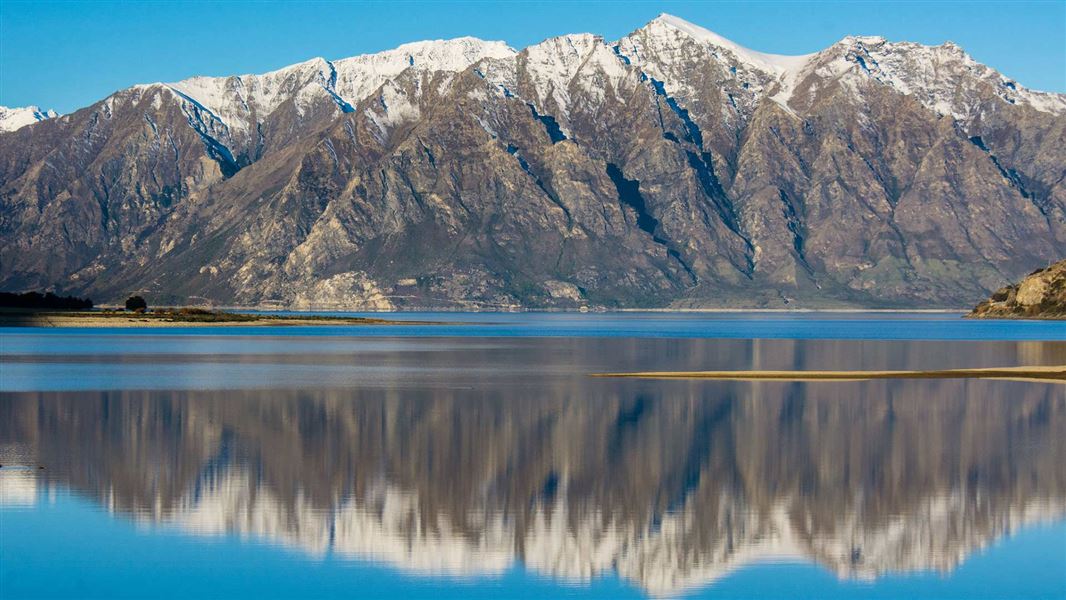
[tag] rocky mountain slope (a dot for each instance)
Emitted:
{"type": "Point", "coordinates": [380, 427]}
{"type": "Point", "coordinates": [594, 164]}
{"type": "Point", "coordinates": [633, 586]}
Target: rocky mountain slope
{"type": "Point", "coordinates": [669, 168]}
{"type": "Point", "coordinates": [1040, 295]}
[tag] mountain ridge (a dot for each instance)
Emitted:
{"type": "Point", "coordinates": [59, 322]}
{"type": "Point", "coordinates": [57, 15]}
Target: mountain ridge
{"type": "Point", "coordinates": [726, 181]}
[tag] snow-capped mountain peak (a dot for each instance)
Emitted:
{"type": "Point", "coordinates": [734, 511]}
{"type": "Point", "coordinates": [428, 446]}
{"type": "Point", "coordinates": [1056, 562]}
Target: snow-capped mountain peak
{"type": "Point", "coordinates": [863, 39]}
{"type": "Point", "coordinates": [16, 118]}
{"type": "Point", "coordinates": [944, 78]}
{"type": "Point", "coordinates": [442, 55]}
{"type": "Point", "coordinates": [233, 100]}
{"type": "Point", "coordinates": [678, 54]}
{"type": "Point", "coordinates": [669, 50]}
{"type": "Point", "coordinates": [553, 66]}
{"type": "Point", "coordinates": [771, 63]}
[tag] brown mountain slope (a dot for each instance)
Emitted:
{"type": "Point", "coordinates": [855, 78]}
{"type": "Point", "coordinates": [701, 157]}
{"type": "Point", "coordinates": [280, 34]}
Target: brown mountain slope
{"type": "Point", "coordinates": [671, 168]}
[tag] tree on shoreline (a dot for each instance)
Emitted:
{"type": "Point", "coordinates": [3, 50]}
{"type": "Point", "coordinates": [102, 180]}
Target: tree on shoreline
{"type": "Point", "coordinates": [136, 303]}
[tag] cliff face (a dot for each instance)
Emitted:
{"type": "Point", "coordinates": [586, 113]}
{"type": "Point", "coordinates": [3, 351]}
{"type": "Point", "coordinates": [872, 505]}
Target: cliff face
{"type": "Point", "coordinates": [669, 168]}
{"type": "Point", "coordinates": [1040, 295]}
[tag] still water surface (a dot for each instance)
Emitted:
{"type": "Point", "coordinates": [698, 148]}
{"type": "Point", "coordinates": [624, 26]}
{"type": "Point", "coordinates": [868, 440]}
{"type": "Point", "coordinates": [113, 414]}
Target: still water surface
{"type": "Point", "coordinates": [478, 459]}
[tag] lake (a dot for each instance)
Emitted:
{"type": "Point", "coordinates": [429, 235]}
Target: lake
{"type": "Point", "coordinates": [478, 459]}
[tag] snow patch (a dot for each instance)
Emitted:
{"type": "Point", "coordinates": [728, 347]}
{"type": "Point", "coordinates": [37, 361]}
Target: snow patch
{"type": "Point", "coordinates": [779, 64]}
{"type": "Point", "coordinates": [17, 118]}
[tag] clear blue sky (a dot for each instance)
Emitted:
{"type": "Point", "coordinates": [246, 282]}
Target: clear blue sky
{"type": "Point", "coordinates": [69, 54]}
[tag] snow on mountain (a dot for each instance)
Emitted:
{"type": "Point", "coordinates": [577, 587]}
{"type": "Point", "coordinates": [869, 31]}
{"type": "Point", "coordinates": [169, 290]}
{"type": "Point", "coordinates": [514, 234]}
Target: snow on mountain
{"type": "Point", "coordinates": [672, 52]}
{"type": "Point", "coordinates": [778, 64]}
{"type": "Point", "coordinates": [240, 101]}
{"type": "Point", "coordinates": [686, 58]}
{"type": "Point", "coordinates": [360, 75]}
{"type": "Point", "coordinates": [554, 63]}
{"type": "Point", "coordinates": [943, 78]}
{"type": "Point", "coordinates": [16, 118]}
{"type": "Point", "coordinates": [559, 73]}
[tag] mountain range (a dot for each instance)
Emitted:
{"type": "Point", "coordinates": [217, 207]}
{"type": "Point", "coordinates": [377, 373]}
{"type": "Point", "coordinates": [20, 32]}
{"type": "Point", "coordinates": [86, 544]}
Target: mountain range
{"type": "Point", "coordinates": [670, 168]}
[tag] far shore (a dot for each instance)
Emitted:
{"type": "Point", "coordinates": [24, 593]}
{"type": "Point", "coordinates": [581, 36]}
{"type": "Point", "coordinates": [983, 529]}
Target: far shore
{"type": "Point", "coordinates": [589, 310]}
{"type": "Point", "coordinates": [802, 310]}
{"type": "Point", "coordinates": [92, 319]}
{"type": "Point", "coordinates": [105, 316]}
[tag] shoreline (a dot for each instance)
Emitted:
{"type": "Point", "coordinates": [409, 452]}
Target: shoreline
{"type": "Point", "coordinates": [962, 313]}
{"type": "Point", "coordinates": [247, 317]}
{"type": "Point", "coordinates": [56, 319]}
{"type": "Point", "coordinates": [601, 310]}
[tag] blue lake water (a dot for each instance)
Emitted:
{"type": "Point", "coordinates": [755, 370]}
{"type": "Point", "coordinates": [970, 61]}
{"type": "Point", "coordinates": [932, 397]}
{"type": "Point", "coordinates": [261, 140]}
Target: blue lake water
{"type": "Point", "coordinates": [477, 459]}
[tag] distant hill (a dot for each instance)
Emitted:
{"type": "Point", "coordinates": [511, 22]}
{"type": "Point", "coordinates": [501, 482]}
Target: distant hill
{"type": "Point", "coordinates": [669, 168]}
{"type": "Point", "coordinates": [1042, 294]}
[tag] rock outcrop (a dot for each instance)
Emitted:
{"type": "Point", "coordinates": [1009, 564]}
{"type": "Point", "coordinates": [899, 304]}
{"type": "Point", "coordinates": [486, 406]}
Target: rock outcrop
{"type": "Point", "coordinates": [1041, 295]}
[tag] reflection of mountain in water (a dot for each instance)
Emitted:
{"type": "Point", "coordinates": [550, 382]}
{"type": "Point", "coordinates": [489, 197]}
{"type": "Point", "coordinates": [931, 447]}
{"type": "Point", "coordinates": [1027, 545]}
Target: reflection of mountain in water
{"type": "Point", "coordinates": [670, 485]}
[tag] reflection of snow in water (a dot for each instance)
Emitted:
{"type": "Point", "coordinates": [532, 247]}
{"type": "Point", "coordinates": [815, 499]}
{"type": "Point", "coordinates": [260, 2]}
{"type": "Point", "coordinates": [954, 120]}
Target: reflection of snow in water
{"type": "Point", "coordinates": [387, 527]}
{"type": "Point", "coordinates": [18, 476]}
{"type": "Point", "coordinates": [18, 486]}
